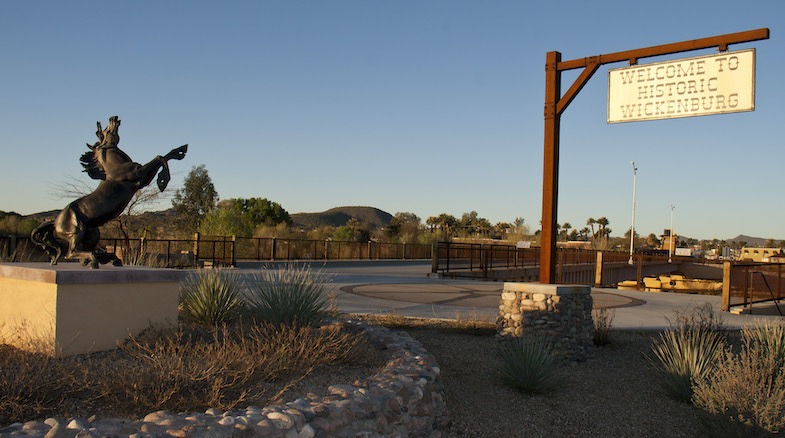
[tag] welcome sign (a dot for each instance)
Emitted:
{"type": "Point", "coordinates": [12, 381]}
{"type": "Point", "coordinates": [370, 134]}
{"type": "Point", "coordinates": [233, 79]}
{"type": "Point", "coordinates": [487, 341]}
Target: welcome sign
{"type": "Point", "coordinates": [700, 86]}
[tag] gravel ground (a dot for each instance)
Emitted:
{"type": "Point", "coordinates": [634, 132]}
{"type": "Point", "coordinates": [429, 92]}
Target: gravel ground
{"type": "Point", "coordinates": [613, 394]}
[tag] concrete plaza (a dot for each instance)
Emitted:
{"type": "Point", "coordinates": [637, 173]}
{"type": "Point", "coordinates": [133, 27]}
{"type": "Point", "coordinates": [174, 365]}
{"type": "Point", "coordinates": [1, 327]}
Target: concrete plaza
{"type": "Point", "coordinates": [407, 288]}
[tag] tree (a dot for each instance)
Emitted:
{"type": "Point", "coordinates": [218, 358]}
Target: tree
{"type": "Point", "coordinates": [404, 226]}
{"type": "Point", "coordinates": [195, 199]}
{"type": "Point", "coordinates": [591, 222]}
{"type": "Point", "coordinates": [603, 231]}
{"type": "Point", "coordinates": [445, 222]}
{"type": "Point", "coordinates": [241, 217]}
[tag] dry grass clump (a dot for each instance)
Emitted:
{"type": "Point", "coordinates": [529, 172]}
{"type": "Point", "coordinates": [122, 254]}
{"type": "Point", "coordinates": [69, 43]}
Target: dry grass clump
{"type": "Point", "coordinates": [603, 321]}
{"type": "Point", "coordinates": [175, 369]}
{"type": "Point", "coordinates": [746, 394]}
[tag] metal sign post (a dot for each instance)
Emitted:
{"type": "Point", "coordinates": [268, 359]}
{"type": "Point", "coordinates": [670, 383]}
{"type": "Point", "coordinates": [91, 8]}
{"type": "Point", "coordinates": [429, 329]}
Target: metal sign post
{"type": "Point", "coordinates": [555, 104]}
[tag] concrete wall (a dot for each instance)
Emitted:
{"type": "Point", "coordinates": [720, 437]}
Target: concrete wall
{"type": "Point", "coordinates": [67, 309]}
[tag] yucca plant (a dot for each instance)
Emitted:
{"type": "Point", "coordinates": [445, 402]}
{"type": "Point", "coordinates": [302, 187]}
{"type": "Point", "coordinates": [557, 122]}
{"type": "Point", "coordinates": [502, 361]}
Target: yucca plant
{"type": "Point", "coordinates": [288, 295]}
{"type": "Point", "coordinates": [685, 356]}
{"type": "Point", "coordinates": [211, 297]}
{"type": "Point", "coordinates": [770, 339]}
{"type": "Point", "coordinates": [526, 364]}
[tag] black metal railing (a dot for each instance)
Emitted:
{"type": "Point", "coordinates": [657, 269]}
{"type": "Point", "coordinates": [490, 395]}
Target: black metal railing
{"type": "Point", "coordinates": [227, 250]}
{"type": "Point", "coordinates": [746, 284]}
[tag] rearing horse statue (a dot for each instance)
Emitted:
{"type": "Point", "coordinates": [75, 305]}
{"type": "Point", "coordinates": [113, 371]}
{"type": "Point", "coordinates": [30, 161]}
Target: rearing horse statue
{"type": "Point", "coordinates": [75, 230]}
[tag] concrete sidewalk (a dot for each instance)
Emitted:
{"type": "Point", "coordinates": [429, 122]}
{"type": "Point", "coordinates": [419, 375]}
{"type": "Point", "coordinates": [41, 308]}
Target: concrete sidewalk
{"type": "Point", "coordinates": [406, 288]}
{"type": "Point", "coordinates": [453, 299]}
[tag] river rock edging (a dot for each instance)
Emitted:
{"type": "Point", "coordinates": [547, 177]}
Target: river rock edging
{"type": "Point", "coordinates": [404, 399]}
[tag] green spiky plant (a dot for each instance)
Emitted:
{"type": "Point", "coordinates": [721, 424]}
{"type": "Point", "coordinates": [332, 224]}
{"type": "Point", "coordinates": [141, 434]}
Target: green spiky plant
{"type": "Point", "coordinates": [211, 297]}
{"type": "Point", "coordinates": [289, 295]}
{"type": "Point", "coordinates": [686, 355]}
{"type": "Point", "coordinates": [526, 364]}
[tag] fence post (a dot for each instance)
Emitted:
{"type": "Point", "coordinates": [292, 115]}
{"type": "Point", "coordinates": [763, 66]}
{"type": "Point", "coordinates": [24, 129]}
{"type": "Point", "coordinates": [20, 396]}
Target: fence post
{"type": "Point", "coordinates": [434, 258]}
{"type": "Point", "coordinates": [639, 273]}
{"type": "Point", "coordinates": [196, 248]}
{"type": "Point", "coordinates": [141, 248]}
{"type": "Point", "coordinates": [327, 249]}
{"type": "Point", "coordinates": [726, 287]}
{"type": "Point", "coordinates": [273, 246]}
{"type": "Point", "coordinates": [234, 250]}
{"type": "Point", "coordinates": [404, 250]}
{"type": "Point", "coordinates": [598, 270]}
{"type": "Point", "coordinates": [369, 250]}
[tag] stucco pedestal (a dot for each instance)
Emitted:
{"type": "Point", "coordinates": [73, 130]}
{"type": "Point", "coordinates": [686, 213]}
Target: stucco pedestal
{"type": "Point", "coordinates": [68, 309]}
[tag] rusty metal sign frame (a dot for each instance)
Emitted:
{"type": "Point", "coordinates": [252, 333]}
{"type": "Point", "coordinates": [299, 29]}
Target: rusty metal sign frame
{"type": "Point", "coordinates": [556, 103]}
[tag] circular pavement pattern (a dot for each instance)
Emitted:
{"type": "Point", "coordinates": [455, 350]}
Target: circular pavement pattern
{"type": "Point", "coordinates": [464, 295]}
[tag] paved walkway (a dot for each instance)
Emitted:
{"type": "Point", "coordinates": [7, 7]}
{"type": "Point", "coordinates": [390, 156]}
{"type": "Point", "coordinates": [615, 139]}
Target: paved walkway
{"type": "Point", "coordinates": [407, 289]}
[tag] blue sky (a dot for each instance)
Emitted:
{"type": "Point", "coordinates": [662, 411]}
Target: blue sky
{"type": "Point", "coordinates": [421, 106]}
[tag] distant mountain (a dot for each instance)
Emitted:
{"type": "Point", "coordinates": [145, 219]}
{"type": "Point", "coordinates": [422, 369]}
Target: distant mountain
{"type": "Point", "coordinates": [370, 217]}
{"type": "Point", "coordinates": [751, 241]}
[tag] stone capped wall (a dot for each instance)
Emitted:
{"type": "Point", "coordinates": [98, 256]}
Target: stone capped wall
{"type": "Point", "coordinates": [559, 312]}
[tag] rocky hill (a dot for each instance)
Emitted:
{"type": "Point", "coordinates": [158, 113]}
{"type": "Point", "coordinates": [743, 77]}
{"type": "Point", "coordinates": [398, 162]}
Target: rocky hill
{"type": "Point", "coordinates": [370, 217]}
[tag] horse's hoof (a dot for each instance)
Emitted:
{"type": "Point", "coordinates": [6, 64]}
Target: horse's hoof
{"type": "Point", "coordinates": [117, 262]}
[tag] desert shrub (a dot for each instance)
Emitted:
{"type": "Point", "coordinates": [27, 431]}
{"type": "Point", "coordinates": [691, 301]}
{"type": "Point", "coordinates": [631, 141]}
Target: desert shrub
{"type": "Point", "coordinates": [603, 321]}
{"type": "Point", "coordinates": [526, 364]}
{"type": "Point", "coordinates": [31, 384]}
{"type": "Point", "coordinates": [211, 297]}
{"type": "Point", "coordinates": [684, 356]}
{"type": "Point", "coordinates": [746, 394]}
{"type": "Point", "coordinates": [288, 295]}
{"type": "Point", "coordinates": [700, 318]}
{"type": "Point", "coordinates": [178, 369]}
{"type": "Point", "coordinates": [181, 370]}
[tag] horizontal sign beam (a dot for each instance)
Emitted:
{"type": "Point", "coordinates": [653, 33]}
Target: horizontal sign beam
{"type": "Point", "coordinates": [699, 86]}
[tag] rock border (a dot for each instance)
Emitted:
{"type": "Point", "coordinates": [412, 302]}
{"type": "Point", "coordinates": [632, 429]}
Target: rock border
{"type": "Point", "coordinates": [404, 399]}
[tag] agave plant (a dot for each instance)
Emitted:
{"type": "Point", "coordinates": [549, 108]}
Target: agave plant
{"type": "Point", "coordinates": [211, 297]}
{"type": "Point", "coordinates": [527, 365]}
{"type": "Point", "coordinates": [288, 295]}
{"type": "Point", "coordinates": [686, 355]}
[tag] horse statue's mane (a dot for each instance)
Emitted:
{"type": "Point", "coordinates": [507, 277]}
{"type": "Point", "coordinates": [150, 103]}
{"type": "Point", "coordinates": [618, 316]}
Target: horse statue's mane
{"type": "Point", "coordinates": [75, 231]}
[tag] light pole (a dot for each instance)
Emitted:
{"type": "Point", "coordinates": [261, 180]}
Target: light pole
{"type": "Point", "coordinates": [632, 228]}
{"type": "Point", "coordinates": [673, 236]}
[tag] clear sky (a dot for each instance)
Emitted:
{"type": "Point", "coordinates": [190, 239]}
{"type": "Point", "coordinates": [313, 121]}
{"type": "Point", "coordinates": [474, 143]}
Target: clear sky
{"type": "Point", "coordinates": [420, 106]}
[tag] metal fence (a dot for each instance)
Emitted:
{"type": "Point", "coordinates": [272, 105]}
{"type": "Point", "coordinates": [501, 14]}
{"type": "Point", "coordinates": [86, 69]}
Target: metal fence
{"type": "Point", "coordinates": [746, 284]}
{"type": "Point", "coordinates": [226, 250]}
{"type": "Point", "coordinates": [510, 263]}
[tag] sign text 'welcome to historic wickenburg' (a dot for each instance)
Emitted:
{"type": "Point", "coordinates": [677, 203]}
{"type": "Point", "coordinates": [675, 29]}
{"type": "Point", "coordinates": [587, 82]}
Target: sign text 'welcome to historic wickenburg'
{"type": "Point", "coordinates": [715, 84]}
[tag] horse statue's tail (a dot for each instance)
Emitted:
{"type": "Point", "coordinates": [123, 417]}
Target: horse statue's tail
{"type": "Point", "coordinates": [44, 236]}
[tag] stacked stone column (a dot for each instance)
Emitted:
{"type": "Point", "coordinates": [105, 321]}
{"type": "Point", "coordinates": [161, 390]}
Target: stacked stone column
{"type": "Point", "coordinates": [561, 313]}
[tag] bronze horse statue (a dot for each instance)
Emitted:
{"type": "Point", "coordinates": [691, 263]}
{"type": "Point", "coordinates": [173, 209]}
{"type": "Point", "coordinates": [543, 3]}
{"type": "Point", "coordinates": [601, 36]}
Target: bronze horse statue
{"type": "Point", "coordinates": [75, 231]}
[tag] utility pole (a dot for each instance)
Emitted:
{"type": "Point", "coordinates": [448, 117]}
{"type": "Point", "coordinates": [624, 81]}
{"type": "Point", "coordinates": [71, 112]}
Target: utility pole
{"type": "Point", "coordinates": [632, 228]}
{"type": "Point", "coordinates": [673, 236]}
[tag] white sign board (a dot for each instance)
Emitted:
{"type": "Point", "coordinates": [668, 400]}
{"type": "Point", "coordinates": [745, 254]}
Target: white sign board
{"type": "Point", "coordinates": [700, 86]}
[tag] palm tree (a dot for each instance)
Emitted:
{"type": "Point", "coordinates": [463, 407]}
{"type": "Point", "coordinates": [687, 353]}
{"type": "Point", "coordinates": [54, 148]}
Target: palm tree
{"type": "Point", "coordinates": [603, 231]}
{"type": "Point", "coordinates": [590, 222]}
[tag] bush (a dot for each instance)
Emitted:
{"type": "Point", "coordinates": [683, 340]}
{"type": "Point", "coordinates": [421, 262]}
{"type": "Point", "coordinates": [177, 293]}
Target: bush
{"type": "Point", "coordinates": [603, 320]}
{"type": "Point", "coordinates": [288, 295]}
{"type": "Point", "coordinates": [686, 355]}
{"type": "Point", "coordinates": [747, 391]}
{"type": "Point", "coordinates": [528, 365]}
{"type": "Point", "coordinates": [212, 297]}
{"type": "Point", "coordinates": [176, 369]}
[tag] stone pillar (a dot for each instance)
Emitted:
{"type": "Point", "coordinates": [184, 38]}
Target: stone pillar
{"type": "Point", "coordinates": [561, 313]}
